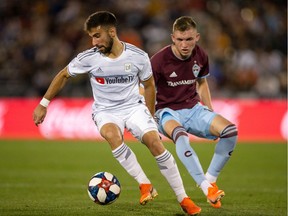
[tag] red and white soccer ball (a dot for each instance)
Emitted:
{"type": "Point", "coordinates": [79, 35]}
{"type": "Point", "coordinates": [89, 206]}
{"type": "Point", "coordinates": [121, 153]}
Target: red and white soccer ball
{"type": "Point", "coordinates": [104, 188]}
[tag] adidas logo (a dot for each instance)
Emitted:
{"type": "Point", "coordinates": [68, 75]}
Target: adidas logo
{"type": "Point", "coordinates": [99, 70]}
{"type": "Point", "coordinates": [173, 74]}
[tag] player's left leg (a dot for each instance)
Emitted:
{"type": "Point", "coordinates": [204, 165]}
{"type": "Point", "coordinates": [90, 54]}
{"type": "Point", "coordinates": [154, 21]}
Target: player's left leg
{"type": "Point", "coordinates": [165, 162]}
{"type": "Point", "coordinates": [142, 125]}
{"type": "Point", "coordinates": [227, 133]}
{"type": "Point", "coordinates": [169, 170]}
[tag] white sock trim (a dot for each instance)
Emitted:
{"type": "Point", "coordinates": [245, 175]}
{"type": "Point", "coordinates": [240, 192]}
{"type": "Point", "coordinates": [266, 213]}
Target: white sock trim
{"type": "Point", "coordinates": [204, 186]}
{"type": "Point", "coordinates": [210, 178]}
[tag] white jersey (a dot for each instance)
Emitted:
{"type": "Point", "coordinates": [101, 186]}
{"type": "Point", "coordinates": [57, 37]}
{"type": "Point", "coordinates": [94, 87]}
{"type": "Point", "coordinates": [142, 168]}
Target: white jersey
{"type": "Point", "coordinates": [114, 82]}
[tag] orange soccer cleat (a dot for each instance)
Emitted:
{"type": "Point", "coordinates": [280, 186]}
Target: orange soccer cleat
{"type": "Point", "coordinates": [190, 207]}
{"type": "Point", "coordinates": [215, 195]}
{"type": "Point", "coordinates": [148, 193]}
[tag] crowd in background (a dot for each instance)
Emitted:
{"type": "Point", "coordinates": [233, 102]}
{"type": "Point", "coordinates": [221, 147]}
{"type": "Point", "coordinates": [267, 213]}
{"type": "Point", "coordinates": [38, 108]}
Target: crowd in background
{"type": "Point", "coordinates": [246, 41]}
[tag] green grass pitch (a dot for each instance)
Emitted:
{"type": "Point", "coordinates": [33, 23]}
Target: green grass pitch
{"type": "Point", "coordinates": [50, 178]}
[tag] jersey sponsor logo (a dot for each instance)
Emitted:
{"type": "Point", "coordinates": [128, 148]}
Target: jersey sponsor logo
{"type": "Point", "coordinates": [196, 69]}
{"type": "Point", "coordinates": [173, 74]}
{"type": "Point", "coordinates": [114, 79]}
{"type": "Point", "coordinates": [181, 82]}
{"type": "Point", "coordinates": [100, 80]}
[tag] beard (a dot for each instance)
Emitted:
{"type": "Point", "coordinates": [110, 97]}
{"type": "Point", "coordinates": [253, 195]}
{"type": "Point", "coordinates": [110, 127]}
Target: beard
{"type": "Point", "coordinates": [107, 49]}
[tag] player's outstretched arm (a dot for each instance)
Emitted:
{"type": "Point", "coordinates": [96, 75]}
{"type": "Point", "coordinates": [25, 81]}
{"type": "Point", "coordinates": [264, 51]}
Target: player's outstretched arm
{"type": "Point", "coordinates": [56, 85]}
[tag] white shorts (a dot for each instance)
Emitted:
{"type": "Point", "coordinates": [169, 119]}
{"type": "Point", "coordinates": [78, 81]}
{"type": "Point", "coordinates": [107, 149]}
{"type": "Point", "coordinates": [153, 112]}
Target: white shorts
{"type": "Point", "coordinates": [137, 120]}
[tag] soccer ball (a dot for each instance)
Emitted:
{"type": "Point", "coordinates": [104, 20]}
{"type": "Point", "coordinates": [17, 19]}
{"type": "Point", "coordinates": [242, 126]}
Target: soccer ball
{"type": "Point", "coordinates": [104, 188]}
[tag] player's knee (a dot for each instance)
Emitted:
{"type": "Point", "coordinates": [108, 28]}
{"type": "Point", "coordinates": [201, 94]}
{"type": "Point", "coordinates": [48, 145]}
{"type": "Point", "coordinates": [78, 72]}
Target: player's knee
{"type": "Point", "coordinates": [111, 133]}
{"type": "Point", "coordinates": [114, 139]}
{"type": "Point", "coordinates": [156, 147]}
{"type": "Point", "coordinates": [153, 143]}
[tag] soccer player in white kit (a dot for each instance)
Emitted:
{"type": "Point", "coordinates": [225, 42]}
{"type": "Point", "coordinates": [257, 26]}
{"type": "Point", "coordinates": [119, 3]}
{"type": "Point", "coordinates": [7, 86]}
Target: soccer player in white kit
{"type": "Point", "coordinates": [115, 69]}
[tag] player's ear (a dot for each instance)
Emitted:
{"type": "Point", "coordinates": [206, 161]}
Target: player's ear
{"type": "Point", "coordinates": [172, 38]}
{"type": "Point", "coordinates": [197, 37]}
{"type": "Point", "coordinates": [112, 31]}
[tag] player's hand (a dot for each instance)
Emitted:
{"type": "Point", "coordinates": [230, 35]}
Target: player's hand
{"type": "Point", "coordinates": [39, 114]}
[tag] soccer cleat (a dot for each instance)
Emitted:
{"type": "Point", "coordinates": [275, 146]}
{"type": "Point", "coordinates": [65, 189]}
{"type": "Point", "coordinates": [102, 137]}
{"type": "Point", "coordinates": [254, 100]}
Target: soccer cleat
{"type": "Point", "coordinates": [215, 205]}
{"type": "Point", "coordinates": [148, 193]}
{"type": "Point", "coordinates": [215, 195]}
{"type": "Point", "coordinates": [218, 203]}
{"type": "Point", "coordinates": [190, 207]}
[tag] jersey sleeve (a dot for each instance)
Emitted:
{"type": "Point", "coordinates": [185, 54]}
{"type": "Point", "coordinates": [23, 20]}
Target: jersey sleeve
{"type": "Point", "coordinates": [146, 71]}
{"type": "Point", "coordinates": [80, 64]}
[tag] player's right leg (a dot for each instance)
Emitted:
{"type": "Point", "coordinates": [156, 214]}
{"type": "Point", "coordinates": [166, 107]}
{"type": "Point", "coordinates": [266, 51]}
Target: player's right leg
{"type": "Point", "coordinates": [128, 160]}
{"type": "Point", "coordinates": [111, 128]}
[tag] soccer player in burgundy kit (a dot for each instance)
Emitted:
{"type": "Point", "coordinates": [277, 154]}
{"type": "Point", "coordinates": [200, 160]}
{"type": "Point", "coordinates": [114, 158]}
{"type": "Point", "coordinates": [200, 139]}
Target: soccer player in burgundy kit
{"type": "Point", "coordinates": [183, 105]}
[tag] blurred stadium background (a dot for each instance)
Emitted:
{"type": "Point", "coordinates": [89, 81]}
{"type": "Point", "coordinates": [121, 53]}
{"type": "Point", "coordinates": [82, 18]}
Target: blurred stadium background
{"type": "Point", "coordinates": [247, 45]}
{"type": "Point", "coordinates": [246, 42]}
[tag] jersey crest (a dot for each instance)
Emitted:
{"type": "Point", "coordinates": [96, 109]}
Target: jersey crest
{"type": "Point", "coordinates": [196, 69]}
{"type": "Point", "coordinates": [128, 67]}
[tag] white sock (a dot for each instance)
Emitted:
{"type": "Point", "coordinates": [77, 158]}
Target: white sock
{"type": "Point", "coordinates": [204, 186]}
{"type": "Point", "coordinates": [210, 178]}
{"type": "Point", "coordinates": [128, 160]}
{"type": "Point", "coordinates": [169, 170]}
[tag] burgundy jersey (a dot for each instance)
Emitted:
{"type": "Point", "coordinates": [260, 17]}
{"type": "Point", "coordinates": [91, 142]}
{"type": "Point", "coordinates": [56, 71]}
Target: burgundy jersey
{"type": "Point", "coordinates": [175, 79]}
